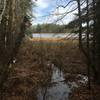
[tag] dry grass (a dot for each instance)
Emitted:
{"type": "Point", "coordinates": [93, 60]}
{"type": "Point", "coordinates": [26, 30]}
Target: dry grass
{"type": "Point", "coordinates": [83, 93]}
{"type": "Point", "coordinates": [31, 69]}
{"type": "Point", "coordinates": [27, 74]}
{"type": "Point", "coordinates": [64, 53]}
{"type": "Point", "coordinates": [45, 39]}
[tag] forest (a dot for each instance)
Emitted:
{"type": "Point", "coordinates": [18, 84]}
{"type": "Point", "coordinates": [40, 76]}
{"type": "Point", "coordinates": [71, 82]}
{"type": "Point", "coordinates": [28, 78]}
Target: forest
{"type": "Point", "coordinates": [53, 28]}
{"type": "Point", "coordinates": [49, 28]}
{"type": "Point", "coordinates": [39, 68]}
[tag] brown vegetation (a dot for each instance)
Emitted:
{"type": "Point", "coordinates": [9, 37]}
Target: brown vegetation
{"type": "Point", "coordinates": [83, 93]}
{"type": "Point", "coordinates": [32, 68]}
{"type": "Point", "coordinates": [27, 74]}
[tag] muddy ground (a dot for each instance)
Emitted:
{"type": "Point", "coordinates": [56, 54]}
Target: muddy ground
{"type": "Point", "coordinates": [32, 67]}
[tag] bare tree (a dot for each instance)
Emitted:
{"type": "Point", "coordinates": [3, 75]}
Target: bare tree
{"type": "Point", "coordinates": [12, 13]}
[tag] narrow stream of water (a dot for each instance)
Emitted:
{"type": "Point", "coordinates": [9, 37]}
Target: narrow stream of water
{"type": "Point", "coordinates": [57, 89]}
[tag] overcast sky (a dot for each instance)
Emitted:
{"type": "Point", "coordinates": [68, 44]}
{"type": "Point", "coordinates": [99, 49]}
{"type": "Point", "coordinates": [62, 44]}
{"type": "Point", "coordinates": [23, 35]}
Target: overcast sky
{"type": "Point", "coordinates": [46, 7]}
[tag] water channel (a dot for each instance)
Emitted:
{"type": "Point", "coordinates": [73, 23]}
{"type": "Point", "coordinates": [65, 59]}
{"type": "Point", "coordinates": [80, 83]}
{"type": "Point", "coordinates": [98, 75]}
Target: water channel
{"type": "Point", "coordinates": [58, 89]}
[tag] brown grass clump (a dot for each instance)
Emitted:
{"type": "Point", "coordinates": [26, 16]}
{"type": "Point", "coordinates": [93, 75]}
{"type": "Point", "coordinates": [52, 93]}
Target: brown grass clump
{"type": "Point", "coordinates": [83, 93]}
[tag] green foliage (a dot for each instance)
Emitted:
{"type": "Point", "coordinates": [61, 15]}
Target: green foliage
{"type": "Point", "coordinates": [29, 32]}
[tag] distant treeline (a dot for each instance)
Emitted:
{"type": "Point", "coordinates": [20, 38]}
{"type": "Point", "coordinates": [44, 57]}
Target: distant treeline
{"type": "Point", "coordinates": [50, 28]}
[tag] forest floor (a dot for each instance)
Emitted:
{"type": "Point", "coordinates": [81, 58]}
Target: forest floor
{"type": "Point", "coordinates": [33, 68]}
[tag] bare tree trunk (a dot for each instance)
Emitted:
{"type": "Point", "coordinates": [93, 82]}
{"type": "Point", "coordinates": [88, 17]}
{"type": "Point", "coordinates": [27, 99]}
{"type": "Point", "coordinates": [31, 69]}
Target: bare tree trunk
{"type": "Point", "coordinates": [97, 31]}
{"type": "Point", "coordinates": [80, 23]}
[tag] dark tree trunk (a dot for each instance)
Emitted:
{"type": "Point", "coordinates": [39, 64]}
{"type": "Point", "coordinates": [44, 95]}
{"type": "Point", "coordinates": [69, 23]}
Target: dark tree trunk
{"type": "Point", "coordinates": [97, 31]}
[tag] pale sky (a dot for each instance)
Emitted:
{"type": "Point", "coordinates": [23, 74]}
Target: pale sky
{"type": "Point", "coordinates": [46, 7]}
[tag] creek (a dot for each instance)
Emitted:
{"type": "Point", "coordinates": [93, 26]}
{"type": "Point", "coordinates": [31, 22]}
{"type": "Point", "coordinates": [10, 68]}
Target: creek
{"type": "Point", "coordinates": [58, 88]}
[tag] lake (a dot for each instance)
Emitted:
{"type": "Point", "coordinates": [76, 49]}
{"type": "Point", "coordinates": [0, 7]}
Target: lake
{"type": "Point", "coordinates": [55, 35]}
